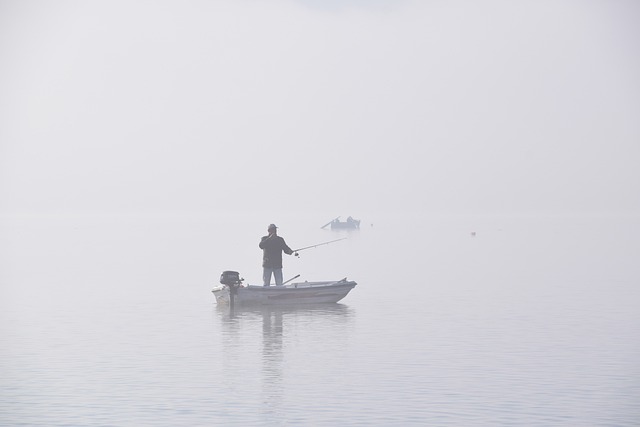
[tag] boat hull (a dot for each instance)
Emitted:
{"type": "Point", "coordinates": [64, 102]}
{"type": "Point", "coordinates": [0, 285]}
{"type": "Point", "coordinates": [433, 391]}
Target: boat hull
{"type": "Point", "coordinates": [292, 294]}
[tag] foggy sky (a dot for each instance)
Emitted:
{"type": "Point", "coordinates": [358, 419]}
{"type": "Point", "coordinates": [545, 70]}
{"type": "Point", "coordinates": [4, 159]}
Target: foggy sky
{"type": "Point", "coordinates": [345, 107]}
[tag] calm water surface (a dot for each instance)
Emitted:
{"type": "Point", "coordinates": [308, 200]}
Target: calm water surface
{"type": "Point", "coordinates": [109, 321]}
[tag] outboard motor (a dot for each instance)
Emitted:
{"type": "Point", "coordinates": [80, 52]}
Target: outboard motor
{"type": "Point", "coordinates": [230, 278]}
{"type": "Point", "coordinates": [233, 281]}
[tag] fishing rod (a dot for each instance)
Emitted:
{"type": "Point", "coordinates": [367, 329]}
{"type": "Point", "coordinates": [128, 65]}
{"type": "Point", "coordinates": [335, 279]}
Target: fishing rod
{"type": "Point", "coordinates": [314, 246]}
{"type": "Point", "coordinates": [294, 277]}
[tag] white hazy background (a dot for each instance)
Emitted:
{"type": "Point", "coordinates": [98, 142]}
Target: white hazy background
{"type": "Point", "coordinates": [490, 148]}
{"type": "Point", "coordinates": [197, 107]}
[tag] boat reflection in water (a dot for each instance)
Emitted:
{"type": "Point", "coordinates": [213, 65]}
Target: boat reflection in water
{"type": "Point", "coordinates": [274, 345]}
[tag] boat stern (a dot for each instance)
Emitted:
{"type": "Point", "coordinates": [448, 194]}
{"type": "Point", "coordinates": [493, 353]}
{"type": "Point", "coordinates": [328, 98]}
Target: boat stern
{"type": "Point", "coordinates": [221, 293]}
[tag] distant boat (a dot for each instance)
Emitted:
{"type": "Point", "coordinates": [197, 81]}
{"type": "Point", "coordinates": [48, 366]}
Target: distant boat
{"type": "Point", "coordinates": [349, 224]}
{"type": "Point", "coordinates": [288, 294]}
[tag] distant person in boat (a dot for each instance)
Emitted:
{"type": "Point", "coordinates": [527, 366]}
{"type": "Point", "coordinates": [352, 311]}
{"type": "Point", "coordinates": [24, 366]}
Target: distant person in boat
{"type": "Point", "coordinates": [272, 247]}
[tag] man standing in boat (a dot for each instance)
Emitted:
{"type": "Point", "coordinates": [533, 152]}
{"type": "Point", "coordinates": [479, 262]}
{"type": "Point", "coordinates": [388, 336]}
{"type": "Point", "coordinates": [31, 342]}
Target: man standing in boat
{"type": "Point", "coordinates": [272, 247]}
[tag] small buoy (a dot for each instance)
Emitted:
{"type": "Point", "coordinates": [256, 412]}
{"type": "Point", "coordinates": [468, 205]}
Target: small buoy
{"type": "Point", "coordinates": [473, 234]}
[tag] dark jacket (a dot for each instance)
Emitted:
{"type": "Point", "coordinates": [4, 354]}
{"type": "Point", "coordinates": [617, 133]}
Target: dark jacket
{"type": "Point", "coordinates": [272, 251]}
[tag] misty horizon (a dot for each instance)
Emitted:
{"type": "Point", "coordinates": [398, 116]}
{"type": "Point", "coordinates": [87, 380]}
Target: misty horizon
{"type": "Point", "coordinates": [418, 107]}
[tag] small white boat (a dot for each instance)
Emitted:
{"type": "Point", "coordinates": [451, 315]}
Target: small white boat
{"type": "Point", "coordinates": [288, 294]}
